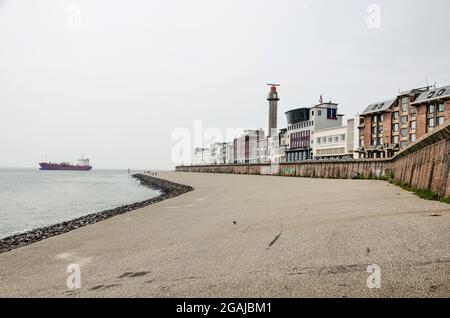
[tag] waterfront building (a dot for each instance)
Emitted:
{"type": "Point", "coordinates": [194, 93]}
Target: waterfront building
{"type": "Point", "coordinates": [218, 153]}
{"type": "Point", "coordinates": [229, 153]}
{"type": "Point", "coordinates": [277, 146]}
{"type": "Point", "coordinates": [201, 156]}
{"type": "Point", "coordinates": [391, 125]}
{"type": "Point", "coordinates": [250, 147]}
{"type": "Point", "coordinates": [433, 109]}
{"type": "Point", "coordinates": [353, 136]}
{"type": "Point", "coordinates": [303, 122]}
{"type": "Point", "coordinates": [336, 142]}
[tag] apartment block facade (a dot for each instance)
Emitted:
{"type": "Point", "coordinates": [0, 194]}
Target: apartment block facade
{"type": "Point", "coordinates": [389, 126]}
{"type": "Point", "coordinates": [251, 147]}
{"type": "Point", "coordinates": [202, 156]}
{"type": "Point", "coordinates": [337, 142]}
{"type": "Point", "coordinates": [303, 122]}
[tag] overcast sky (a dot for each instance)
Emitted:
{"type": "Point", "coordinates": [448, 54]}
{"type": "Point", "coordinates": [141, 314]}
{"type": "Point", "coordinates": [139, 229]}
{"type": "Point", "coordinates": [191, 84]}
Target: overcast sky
{"type": "Point", "coordinates": [115, 80]}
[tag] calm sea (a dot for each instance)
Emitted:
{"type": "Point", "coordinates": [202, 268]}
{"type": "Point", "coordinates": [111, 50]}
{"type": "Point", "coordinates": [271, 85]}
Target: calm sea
{"type": "Point", "coordinates": [30, 198]}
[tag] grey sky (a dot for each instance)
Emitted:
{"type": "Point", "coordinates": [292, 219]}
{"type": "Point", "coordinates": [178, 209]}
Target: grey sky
{"type": "Point", "coordinates": [117, 86]}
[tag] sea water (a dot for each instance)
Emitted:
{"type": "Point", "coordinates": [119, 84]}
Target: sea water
{"type": "Point", "coordinates": [30, 198]}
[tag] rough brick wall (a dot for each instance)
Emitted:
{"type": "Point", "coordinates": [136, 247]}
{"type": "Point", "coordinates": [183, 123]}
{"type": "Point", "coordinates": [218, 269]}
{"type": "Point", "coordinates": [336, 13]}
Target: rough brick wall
{"type": "Point", "coordinates": [387, 128]}
{"type": "Point", "coordinates": [424, 165]}
{"type": "Point", "coordinates": [447, 110]}
{"type": "Point", "coordinates": [367, 131]}
{"type": "Point", "coordinates": [370, 168]}
{"type": "Point", "coordinates": [421, 120]}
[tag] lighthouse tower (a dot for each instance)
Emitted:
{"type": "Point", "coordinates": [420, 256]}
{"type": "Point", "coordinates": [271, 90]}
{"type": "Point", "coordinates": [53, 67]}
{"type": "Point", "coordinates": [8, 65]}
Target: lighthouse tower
{"type": "Point", "coordinates": [273, 108]}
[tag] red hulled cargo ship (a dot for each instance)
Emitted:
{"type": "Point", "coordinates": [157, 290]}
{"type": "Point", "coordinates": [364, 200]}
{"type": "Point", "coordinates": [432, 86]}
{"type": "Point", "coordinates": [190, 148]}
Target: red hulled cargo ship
{"type": "Point", "coordinates": [83, 165]}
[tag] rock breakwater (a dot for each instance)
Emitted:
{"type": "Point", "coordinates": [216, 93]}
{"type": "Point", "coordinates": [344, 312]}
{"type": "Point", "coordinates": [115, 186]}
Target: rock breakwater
{"type": "Point", "coordinates": [166, 188]}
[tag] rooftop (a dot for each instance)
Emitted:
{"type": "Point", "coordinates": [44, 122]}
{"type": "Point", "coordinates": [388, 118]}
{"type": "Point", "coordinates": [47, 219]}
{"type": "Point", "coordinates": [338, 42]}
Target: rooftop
{"type": "Point", "coordinates": [432, 95]}
{"type": "Point", "coordinates": [379, 107]}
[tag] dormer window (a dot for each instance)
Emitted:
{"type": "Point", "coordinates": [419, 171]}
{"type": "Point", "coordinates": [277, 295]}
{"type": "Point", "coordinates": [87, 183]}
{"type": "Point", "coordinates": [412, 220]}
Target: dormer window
{"type": "Point", "coordinates": [441, 92]}
{"type": "Point", "coordinates": [430, 95]}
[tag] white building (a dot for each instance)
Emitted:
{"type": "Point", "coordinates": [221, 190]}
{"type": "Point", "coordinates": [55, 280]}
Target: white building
{"type": "Point", "coordinates": [201, 156]}
{"type": "Point", "coordinates": [229, 156]}
{"type": "Point", "coordinates": [277, 146]}
{"type": "Point", "coordinates": [302, 124]}
{"type": "Point", "coordinates": [251, 147]}
{"type": "Point", "coordinates": [353, 136]}
{"type": "Point", "coordinates": [330, 143]}
{"type": "Point", "coordinates": [337, 142]}
{"type": "Point", "coordinates": [218, 153]}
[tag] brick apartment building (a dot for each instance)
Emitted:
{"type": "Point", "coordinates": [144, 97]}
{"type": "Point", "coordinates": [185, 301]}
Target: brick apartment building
{"type": "Point", "coordinates": [389, 126]}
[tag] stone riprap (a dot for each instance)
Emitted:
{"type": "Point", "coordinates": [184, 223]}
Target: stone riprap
{"type": "Point", "coordinates": [166, 188]}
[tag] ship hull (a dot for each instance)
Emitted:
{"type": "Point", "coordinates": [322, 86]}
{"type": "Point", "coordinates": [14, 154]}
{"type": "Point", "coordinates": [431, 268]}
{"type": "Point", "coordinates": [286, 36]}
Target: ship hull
{"type": "Point", "coordinates": [66, 167]}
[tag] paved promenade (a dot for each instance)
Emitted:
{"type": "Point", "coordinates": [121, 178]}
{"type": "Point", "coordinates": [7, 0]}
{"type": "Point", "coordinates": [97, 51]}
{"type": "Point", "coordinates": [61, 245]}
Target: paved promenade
{"type": "Point", "coordinates": [249, 236]}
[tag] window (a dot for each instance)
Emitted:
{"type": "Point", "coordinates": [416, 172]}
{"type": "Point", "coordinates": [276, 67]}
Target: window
{"type": "Point", "coordinates": [404, 132]}
{"type": "Point", "coordinates": [375, 119]}
{"type": "Point", "coordinates": [440, 120]}
{"type": "Point", "coordinates": [374, 106]}
{"type": "Point", "coordinates": [412, 125]}
{"type": "Point", "coordinates": [395, 139]}
{"type": "Point", "coordinates": [403, 144]}
{"type": "Point", "coordinates": [374, 130]}
{"type": "Point", "coordinates": [404, 120]}
{"type": "Point", "coordinates": [413, 111]}
{"type": "Point", "coordinates": [441, 92]}
{"type": "Point", "coordinates": [336, 139]}
{"type": "Point", "coordinates": [394, 127]}
{"type": "Point", "coordinates": [441, 107]}
{"type": "Point", "coordinates": [405, 101]}
{"type": "Point", "coordinates": [430, 122]}
{"type": "Point", "coordinates": [324, 139]}
{"type": "Point", "coordinates": [318, 140]}
{"type": "Point", "coordinates": [394, 115]}
{"type": "Point", "coordinates": [330, 140]}
{"type": "Point", "coordinates": [319, 113]}
{"type": "Point", "coordinates": [343, 137]}
{"type": "Point", "coordinates": [331, 113]}
{"type": "Point", "coordinates": [430, 95]}
{"type": "Point", "coordinates": [380, 106]}
{"type": "Point", "coordinates": [412, 137]}
{"type": "Point", "coordinates": [431, 109]}
{"type": "Point", "coordinates": [380, 129]}
{"type": "Point", "coordinates": [380, 141]}
{"type": "Point", "coordinates": [374, 141]}
{"type": "Point", "coordinates": [381, 118]}
{"type": "Point", "coordinates": [312, 113]}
